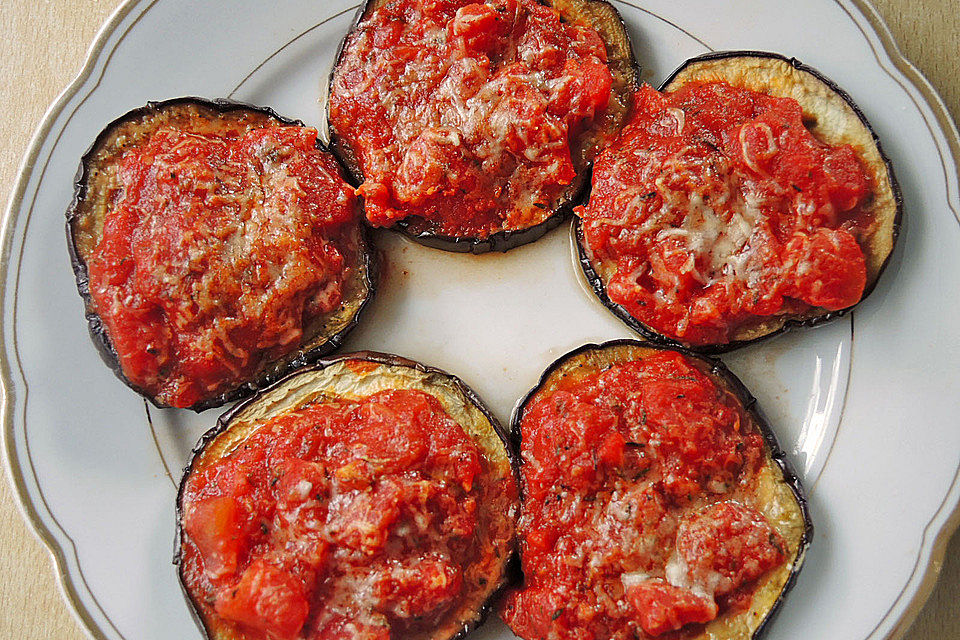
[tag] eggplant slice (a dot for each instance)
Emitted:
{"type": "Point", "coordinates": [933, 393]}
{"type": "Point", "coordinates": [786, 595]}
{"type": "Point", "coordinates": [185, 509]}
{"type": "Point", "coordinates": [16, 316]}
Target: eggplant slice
{"type": "Point", "coordinates": [832, 117]}
{"type": "Point", "coordinates": [354, 377]}
{"type": "Point", "coordinates": [603, 17]}
{"type": "Point", "coordinates": [98, 187]}
{"type": "Point", "coordinates": [774, 488]}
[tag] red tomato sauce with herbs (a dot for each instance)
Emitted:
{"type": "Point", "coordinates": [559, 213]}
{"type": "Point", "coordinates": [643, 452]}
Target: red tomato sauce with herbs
{"type": "Point", "coordinates": [718, 208]}
{"type": "Point", "coordinates": [461, 114]}
{"type": "Point", "coordinates": [633, 523]}
{"type": "Point", "coordinates": [352, 519]}
{"type": "Point", "coordinates": [220, 249]}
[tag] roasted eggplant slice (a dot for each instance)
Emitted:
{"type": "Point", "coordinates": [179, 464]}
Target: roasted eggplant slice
{"type": "Point", "coordinates": [366, 496]}
{"type": "Point", "coordinates": [216, 245]}
{"type": "Point", "coordinates": [655, 501]}
{"type": "Point", "coordinates": [750, 196]}
{"type": "Point", "coordinates": [471, 127]}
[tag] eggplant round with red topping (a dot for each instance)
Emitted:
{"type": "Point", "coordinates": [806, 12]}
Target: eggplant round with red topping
{"type": "Point", "coordinates": [471, 126]}
{"type": "Point", "coordinates": [749, 195]}
{"type": "Point", "coordinates": [655, 501]}
{"type": "Point", "coordinates": [216, 245]}
{"type": "Point", "coordinates": [365, 497]}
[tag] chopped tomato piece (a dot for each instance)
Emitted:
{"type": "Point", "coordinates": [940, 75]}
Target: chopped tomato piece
{"type": "Point", "coordinates": [697, 428]}
{"type": "Point", "coordinates": [218, 527]}
{"type": "Point", "coordinates": [417, 589]}
{"type": "Point", "coordinates": [436, 163]}
{"type": "Point", "coordinates": [847, 183]}
{"type": "Point", "coordinates": [299, 483]}
{"type": "Point", "coordinates": [612, 448]}
{"type": "Point", "coordinates": [727, 545]}
{"type": "Point", "coordinates": [662, 607]}
{"type": "Point", "coordinates": [533, 612]}
{"type": "Point", "coordinates": [363, 521]}
{"type": "Point", "coordinates": [587, 92]}
{"type": "Point", "coordinates": [828, 267]}
{"type": "Point", "coordinates": [562, 447]}
{"type": "Point", "coordinates": [266, 599]}
{"type": "Point", "coordinates": [480, 26]}
{"type": "Point", "coordinates": [385, 434]}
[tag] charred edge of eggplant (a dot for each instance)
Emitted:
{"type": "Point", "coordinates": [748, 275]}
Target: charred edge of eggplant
{"type": "Point", "coordinates": [599, 286]}
{"type": "Point", "coordinates": [339, 148]}
{"type": "Point", "coordinates": [750, 405]}
{"type": "Point", "coordinates": [95, 327]}
{"type": "Point", "coordinates": [500, 241]}
{"type": "Point", "coordinates": [512, 571]}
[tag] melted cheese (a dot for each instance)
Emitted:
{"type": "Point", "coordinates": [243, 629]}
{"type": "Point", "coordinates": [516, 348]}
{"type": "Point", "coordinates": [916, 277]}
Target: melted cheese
{"type": "Point", "coordinates": [717, 224]}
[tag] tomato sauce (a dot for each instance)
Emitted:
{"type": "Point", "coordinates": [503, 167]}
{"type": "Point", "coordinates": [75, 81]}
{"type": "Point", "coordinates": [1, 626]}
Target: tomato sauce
{"type": "Point", "coordinates": [353, 519]}
{"type": "Point", "coordinates": [635, 521]}
{"type": "Point", "coordinates": [461, 115]}
{"type": "Point", "coordinates": [218, 252]}
{"type": "Point", "coordinates": [718, 208]}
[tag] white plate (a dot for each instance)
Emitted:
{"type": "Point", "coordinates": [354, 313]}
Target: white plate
{"type": "Point", "coordinates": [867, 405]}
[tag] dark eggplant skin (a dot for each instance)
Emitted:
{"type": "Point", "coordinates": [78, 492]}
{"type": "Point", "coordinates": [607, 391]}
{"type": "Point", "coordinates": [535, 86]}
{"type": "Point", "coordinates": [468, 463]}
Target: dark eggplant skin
{"type": "Point", "coordinates": [368, 266]}
{"type": "Point", "coordinates": [726, 379]}
{"type": "Point", "coordinates": [510, 564]}
{"type": "Point", "coordinates": [623, 63]}
{"type": "Point", "coordinates": [815, 317]}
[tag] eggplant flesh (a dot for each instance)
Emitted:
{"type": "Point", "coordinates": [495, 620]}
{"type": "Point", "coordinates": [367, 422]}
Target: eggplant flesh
{"type": "Point", "coordinates": [356, 376]}
{"type": "Point", "coordinates": [599, 14]}
{"type": "Point", "coordinates": [97, 189]}
{"type": "Point", "coordinates": [779, 497]}
{"type": "Point", "coordinates": [830, 114]}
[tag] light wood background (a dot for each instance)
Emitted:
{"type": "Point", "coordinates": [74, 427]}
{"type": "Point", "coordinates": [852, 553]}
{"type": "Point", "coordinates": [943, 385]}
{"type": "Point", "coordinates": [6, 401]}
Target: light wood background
{"type": "Point", "coordinates": [44, 45]}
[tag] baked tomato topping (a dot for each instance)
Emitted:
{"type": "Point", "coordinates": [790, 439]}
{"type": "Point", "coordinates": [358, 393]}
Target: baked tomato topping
{"type": "Point", "coordinates": [344, 519]}
{"type": "Point", "coordinates": [716, 208]}
{"type": "Point", "coordinates": [461, 115]}
{"type": "Point", "coordinates": [726, 545]}
{"type": "Point", "coordinates": [220, 249]}
{"type": "Point", "coordinates": [636, 520]}
{"type": "Point", "coordinates": [662, 607]}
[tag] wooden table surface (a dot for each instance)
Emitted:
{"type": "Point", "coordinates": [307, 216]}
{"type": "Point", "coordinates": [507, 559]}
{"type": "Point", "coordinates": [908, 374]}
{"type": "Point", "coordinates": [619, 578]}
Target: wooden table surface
{"type": "Point", "coordinates": [43, 49]}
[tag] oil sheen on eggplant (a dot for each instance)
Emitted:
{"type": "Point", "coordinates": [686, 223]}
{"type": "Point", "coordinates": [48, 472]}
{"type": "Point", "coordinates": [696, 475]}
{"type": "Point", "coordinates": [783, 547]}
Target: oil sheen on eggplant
{"type": "Point", "coordinates": [832, 117]}
{"type": "Point", "coordinates": [766, 487]}
{"type": "Point", "coordinates": [598, 14]}
{"type": "Point", "coordinates": [357, 466]}
{"type": "Point", "coordinates": [99, 188]}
